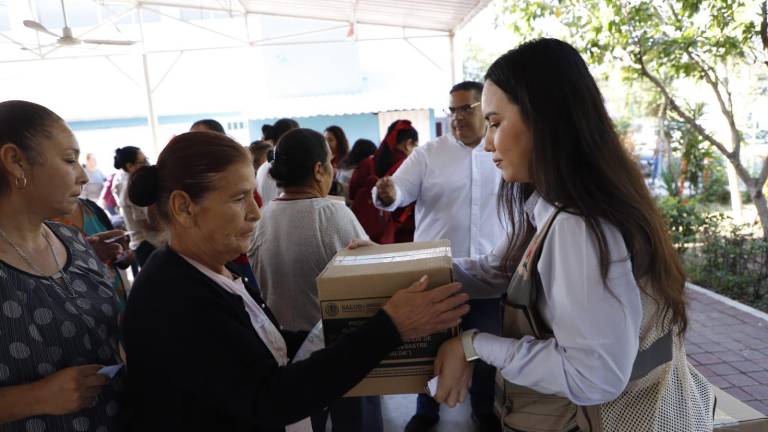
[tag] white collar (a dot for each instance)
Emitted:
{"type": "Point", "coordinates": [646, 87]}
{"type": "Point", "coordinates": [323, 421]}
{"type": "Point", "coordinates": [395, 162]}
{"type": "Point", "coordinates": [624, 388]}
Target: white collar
{"type": "Point", "coordinates": [219, 278]}
{"type": "Point", "coordinates": [538, 209]}
{"type": "Point", "coordinates": [480, 147]}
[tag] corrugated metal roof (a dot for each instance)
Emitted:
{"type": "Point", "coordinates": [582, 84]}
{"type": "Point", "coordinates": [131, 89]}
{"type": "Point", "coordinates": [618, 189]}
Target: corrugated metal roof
{"type": "Point", "coordinates": [443, 15]}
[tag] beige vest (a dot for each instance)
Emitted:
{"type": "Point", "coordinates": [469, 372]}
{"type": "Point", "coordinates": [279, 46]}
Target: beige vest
{"type": "Point", "coordinates": [664, 393]}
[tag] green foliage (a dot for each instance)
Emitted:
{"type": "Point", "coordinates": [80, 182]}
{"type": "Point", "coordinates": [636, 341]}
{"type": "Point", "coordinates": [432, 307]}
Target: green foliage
{"type": "Point", "coordinates": [683, 219]}
{"type": "Point", "coordinates": [673, 38]}
{"type": "Point", "coordinates": [476, 62]}
{"type": "Point", "coordinates": [718, 254]}
{"type": "Point", "coordinates": [731, 261]}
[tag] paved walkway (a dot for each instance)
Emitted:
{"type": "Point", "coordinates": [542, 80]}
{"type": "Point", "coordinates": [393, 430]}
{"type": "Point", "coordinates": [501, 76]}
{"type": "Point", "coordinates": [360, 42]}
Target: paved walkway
{"type": "Point", "coordinates": [729, 345]}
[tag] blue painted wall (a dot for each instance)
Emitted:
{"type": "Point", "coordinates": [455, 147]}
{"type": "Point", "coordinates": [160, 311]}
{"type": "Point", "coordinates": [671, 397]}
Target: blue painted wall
{"type": "Point", "coordinates": [355, 126]}
{"type": "Point", "coordinates": [142, 121]}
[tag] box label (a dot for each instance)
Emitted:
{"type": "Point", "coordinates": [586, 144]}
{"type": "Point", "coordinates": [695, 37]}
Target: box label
{"type": "Point", "coordinates": [413, 358]}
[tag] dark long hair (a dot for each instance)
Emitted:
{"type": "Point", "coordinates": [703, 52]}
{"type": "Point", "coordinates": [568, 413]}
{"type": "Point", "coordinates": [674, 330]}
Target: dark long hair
{"type": "Point", "coordinates": [360, 151]}
{"type": "Point", "coordinates": [342, 143]}
{"type": "Point", "coordinates": [125, 155]}
{"type": "Point", "coordinates": [578, 162]}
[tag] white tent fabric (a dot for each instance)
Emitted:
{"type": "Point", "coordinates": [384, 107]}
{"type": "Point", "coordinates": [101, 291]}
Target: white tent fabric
{"type": "Point", "coordinates": [443, 15]}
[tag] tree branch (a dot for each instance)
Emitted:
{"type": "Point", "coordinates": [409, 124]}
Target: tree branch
{"type": "Point", "coordinates": [740, 170]}
{"type": "Point", "coordinates": [711, 77]}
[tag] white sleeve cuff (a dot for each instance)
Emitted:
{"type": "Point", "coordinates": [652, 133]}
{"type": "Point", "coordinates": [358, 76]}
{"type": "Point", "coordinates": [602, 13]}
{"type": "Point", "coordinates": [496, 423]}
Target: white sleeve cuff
{"type": "Point", "coordinates": [493, 349]}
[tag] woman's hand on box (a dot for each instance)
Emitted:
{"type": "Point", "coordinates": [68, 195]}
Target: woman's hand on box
{"type": "Point", "coordinates": [454, 372]}
{"type": "Point", "coordinates": [418, 312]}
{"type": "Point", "coordinates": [358, 243]}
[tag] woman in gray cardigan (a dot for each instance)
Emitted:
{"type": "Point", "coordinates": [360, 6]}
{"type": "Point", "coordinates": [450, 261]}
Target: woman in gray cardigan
{"type": "Point", "coordinates": [298, 235]}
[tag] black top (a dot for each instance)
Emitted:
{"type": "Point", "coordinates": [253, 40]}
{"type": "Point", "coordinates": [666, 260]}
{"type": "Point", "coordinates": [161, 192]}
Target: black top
{"type": "Point", "coordinates": [44, 329]}
{"type": "Point", "coordinates": [195, 363]}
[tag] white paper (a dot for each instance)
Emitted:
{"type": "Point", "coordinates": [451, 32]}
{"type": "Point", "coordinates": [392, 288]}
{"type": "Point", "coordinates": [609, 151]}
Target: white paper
{"type": "Point", "coordinates": [300, 426]}
{"type": "Point", "coordinates": [315, 341]}
{"type": "Point", "coordinates": [110, 371]}
{"type": "Point", "coordinates": [432, 387]}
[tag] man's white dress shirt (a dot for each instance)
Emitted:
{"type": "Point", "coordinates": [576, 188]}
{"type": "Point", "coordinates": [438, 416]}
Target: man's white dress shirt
{"type": "Point", "coordinates": [455, 188]}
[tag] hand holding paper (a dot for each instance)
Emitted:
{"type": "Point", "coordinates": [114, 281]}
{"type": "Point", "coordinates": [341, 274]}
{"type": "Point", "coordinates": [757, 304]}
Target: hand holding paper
{"type": "Point", "coordinates": [454, 371]}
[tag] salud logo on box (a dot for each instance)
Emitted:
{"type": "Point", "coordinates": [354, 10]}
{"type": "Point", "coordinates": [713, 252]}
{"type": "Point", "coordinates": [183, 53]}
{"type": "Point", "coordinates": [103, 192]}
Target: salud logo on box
{"type": "Point", "coordinates": [331, 309]}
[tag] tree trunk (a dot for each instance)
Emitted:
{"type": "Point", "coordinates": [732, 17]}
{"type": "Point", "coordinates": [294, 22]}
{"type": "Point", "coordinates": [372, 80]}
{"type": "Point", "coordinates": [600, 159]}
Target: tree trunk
{"type": "Point", "coordinates": [762, 207]}
{"type": "Point", "coordinates": [733, 186]}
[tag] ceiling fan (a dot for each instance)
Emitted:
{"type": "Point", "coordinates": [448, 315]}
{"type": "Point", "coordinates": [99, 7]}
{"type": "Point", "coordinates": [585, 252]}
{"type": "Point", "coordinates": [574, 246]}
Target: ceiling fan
{"type": "Point", "coordinates": [66, 38]}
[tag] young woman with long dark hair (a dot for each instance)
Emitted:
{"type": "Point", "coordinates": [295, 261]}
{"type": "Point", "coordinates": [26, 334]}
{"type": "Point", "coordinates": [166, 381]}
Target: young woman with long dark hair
{"type": "Point", "coordinates": [595, 311]}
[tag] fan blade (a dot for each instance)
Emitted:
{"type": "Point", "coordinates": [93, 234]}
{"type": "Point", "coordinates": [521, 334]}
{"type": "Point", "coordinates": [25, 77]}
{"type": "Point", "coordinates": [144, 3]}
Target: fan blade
{"type": "Point", "coordinates": [107, 42]}
{"type": "Point", "coordinates": [34, 25]}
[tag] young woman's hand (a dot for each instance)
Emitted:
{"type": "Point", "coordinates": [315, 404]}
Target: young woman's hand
{"type": "Point", "coordinates": [418, 312]}
{"type": "Point", "coordinates": [454, 373]}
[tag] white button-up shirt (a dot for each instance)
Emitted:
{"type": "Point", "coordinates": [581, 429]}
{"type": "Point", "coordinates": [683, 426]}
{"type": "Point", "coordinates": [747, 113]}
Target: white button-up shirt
{"type": "Point", "coordinates": [596, 324]}
{"type": "Point", "coordinates": [455, 190]}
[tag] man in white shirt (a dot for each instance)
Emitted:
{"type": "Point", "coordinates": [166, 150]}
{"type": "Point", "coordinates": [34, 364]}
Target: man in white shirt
{"type": "Point", "coordinates": [455, 185]}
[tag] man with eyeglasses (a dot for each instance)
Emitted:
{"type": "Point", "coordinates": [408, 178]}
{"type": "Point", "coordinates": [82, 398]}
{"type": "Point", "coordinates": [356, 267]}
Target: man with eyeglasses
{"type": "Point", "coordinates": [454, 184]}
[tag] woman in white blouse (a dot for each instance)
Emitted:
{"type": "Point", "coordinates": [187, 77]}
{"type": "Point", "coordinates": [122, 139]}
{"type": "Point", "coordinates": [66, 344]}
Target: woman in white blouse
{"type": "Point", "coordinates": [595, 312]}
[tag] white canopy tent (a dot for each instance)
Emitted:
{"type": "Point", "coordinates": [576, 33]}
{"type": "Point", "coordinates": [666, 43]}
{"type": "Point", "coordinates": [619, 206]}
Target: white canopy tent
{"type": "Point", "coordinates": [168, 30]}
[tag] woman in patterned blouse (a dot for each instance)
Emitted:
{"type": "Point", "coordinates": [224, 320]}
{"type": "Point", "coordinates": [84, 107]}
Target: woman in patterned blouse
{"type": "Point", "coordinates": [58, 312]}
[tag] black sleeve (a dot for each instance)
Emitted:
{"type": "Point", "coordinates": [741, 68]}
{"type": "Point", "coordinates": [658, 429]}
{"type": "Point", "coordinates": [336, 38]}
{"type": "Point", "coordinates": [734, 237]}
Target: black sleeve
{"type": "Point", "coordinates": [224, 362]}
{"type": "Point", "coordinates": [293, 339]}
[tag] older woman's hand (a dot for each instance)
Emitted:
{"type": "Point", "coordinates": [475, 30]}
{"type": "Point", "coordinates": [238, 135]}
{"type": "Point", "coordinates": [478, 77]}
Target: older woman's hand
{"type": "Point", "coordinates": [454, 372]}
{"type": "Point", "coordinates": [417, 312]}
{"type": "Point", "coordinates": [358, 243]}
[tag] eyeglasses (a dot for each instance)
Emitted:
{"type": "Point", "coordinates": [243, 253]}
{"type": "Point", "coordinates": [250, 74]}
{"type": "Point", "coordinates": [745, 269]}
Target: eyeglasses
{"type": "Point", "coordinates": [464, 110]}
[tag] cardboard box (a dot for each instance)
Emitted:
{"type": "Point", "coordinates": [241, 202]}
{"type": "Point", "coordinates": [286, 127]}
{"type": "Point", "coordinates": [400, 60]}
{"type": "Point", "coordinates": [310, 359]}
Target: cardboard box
{"type": "Point", "coordinates": [732, 415]}
{"type": "Point", "coordinates": [354, 286]}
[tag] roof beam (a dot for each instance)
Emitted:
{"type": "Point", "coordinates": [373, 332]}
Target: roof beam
{"type": "Point", "coordinates": [479, 6]}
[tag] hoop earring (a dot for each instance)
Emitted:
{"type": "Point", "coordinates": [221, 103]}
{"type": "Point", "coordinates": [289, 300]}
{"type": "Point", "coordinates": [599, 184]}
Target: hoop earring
{"type": "Point", "coordinates": [21, 182]}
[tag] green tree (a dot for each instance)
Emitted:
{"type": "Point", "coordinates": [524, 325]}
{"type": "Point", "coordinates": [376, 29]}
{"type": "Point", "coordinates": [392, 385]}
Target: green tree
{"type": "Point", "coordinates": [666, 42]}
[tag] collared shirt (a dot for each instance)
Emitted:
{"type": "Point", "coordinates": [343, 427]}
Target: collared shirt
{"type": "Point", "coordinates": [455, 188]}
{"type": "Point", "coordinates": [596, 325]}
